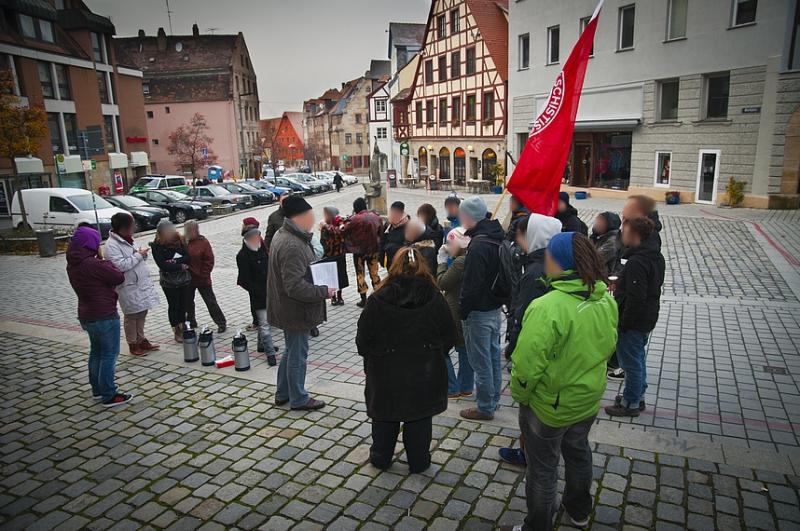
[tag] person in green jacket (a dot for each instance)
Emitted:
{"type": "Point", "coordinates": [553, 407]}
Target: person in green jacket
{"type": "Point", "coordinates": [559, 376]}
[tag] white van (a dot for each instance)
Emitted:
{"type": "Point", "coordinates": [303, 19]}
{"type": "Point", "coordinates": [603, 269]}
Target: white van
{"type": "Point", "coordinates": [62, 208]}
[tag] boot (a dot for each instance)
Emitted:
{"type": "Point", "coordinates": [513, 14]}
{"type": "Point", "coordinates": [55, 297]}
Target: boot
{"type": "Point", "coordinates": [136, 350]}
{"type": "Point", "coordinates": [145, 345]}
{"type": "Point", "coordinates": [178, 333]}
{"type": "Point", "coordinates": [363, 301]}
{"type": "Point", "coordinates": [339, 296]}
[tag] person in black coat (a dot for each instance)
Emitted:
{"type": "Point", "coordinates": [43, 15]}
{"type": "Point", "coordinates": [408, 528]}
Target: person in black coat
{"type": "Point", "coordinates": [638, 295]}
{"type": "Point", "coordinates": [606, 239]}
{"type": "Point", "coordinates": [338, 182]}
{"type": "Point", "coordinates": [568, 216]}
{"type": "Point", "coordinates": [253, 263]}
{"type": "Point", "coordinates": [406, 375]}
{"type": "Point", "coordinates": [420, 236]}
{"type": "Point", "coordinates": [392, 236]}
{"type": "Point", "coordinates": [427, 214]}
{"type": "Point", "coordinates": [172, 258]}
{"type": "Point", "coordinates": [518, 214]}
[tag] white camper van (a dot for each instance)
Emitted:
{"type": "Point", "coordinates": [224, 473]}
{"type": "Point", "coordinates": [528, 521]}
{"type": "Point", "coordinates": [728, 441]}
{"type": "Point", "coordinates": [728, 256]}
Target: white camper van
{"type": "Point", "coordinates": [62, 208]}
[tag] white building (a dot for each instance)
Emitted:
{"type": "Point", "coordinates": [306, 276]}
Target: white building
{"type": "Point", "coordinates": [379, 120]}
{"type": "Point", "coordinates": [679, 94]}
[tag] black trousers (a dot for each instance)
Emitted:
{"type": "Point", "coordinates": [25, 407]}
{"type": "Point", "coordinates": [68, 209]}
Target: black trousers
{"type": "Point", "coordinates": [177, 302]}
{"type": "Point", "coordinates": [207, 293]}
{"type": "Point", "coordinates": [416, 440]}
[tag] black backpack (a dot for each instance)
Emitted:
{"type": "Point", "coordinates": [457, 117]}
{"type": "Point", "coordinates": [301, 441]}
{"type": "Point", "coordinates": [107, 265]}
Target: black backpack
{"type": "Point", "coordinates": [507, 274]}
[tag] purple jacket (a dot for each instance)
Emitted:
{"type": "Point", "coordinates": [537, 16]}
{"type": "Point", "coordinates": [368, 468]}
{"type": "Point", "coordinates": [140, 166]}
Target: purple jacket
{"type": "Point", "coordinates": [94, 281]}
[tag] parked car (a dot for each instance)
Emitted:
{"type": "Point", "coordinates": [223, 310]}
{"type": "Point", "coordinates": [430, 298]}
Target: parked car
{"type": "Point", "coordinates": [269, 186]}
{"type": "Point", "coordinates": [217, 195]}
{"type": "Point", "coordinates": [62, 208]}
{"type": "Point", "coordinates": [259, 196]}
{"type": "Point", "coordinates": [305, 169]}
{"type": "Point", "coordinates": [349, 179]}
{"type": "Point", "coordinates": [304, 178]}
{"type": "Point", "coordinates": [161, 182]}
{"type": "Point", "coordinates": [180, 206]}
{"type": "Point", "coordinates": [144, 216]}
{"type": "Point", "coordinates": [293, 185]}
{"type": "Point", "coordinates": [268, 173]}
{"type": "Point", "coordinates": [325, 177]}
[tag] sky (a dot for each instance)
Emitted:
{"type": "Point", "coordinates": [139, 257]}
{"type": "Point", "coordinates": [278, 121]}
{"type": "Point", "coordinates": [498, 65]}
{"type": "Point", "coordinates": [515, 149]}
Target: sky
{"type": "Point", "coordinates": [299, 48]}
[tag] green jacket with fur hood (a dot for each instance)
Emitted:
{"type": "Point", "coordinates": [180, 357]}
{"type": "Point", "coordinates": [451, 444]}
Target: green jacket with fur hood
{"type": "Point", "coordinates": [567, 337]}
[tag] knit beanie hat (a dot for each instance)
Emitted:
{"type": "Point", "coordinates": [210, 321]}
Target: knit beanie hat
{"type": "Point", "coordinates": [250, 222]}
{"type": "Point", "coordinates": [459, 237]}
{"type": "Point", "coordinates": [294, 205]}
{"type": "Point", "coordinates": [86, 237]}
{"type": "Point", "coordinates": [560, 248]}
{"type": "Point", "coordinates": [359, 204]}
{"type": "Point", "coordinates": [474, 208]}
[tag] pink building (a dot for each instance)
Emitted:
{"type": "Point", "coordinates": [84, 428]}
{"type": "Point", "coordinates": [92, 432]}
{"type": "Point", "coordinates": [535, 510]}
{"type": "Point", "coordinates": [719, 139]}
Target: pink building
{"type": "Point", "coordinates": [207, 74]}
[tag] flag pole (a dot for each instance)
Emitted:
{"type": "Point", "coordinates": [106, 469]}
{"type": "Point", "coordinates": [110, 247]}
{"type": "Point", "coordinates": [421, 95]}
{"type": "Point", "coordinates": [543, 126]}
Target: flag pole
{"type": "Point", "coordinates": [505, 186]}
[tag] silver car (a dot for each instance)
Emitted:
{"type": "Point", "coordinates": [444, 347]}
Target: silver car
{"type": "Point", "coordinates": [217, 195]}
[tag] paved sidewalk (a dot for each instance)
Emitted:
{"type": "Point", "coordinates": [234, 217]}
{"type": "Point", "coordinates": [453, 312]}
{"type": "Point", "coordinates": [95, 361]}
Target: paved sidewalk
{"type": "Point", "coordinates": [210, 451]}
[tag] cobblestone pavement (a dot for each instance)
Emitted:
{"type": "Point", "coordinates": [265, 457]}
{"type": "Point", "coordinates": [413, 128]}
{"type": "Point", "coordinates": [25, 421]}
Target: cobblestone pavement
{"type": "Point", "coordinates": [724, 390]}
{"type": "Point", "coordinates": [200, 450]}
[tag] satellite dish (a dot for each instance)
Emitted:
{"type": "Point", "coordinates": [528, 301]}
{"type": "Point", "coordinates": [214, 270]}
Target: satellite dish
{"type": "Point", "coordinates": [179, 47]}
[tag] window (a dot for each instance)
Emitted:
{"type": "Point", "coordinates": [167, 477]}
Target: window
{"type": "Point", "coordinates": [627, 16]}
{"type": "Point", "coordinates": [145, 88]}
{"type": "Point", "coordinates": [524, 51]}
{"type": "Point", "coordinates": [149, 114]}
{"type": "Point", "coordinates": [46, 80]}
{"type": "Point", "coordinates": [455, 111]}
{"type": "Point", "coordinates": [71, 130]}
{"type": "Point", "coordinates": [348, 138]}
{"type": "Point", "coordinates": [59, 204]}
{"type": "Point", "coordinates": [359, 138]}
{"type": "Point", "coordinates": [54, 126]}
{"type": "Point", "coordinates": [455, 65]}
{"type": "Point", "coordinates": [470, 60]}
{"type": "Point", "coordinates": [166, 110]}
{"type": "Point", "coordinates": [98, 50]}
{"type": "Point", "coordinates": [455, 22]}
{"type": "Point", "coordinates": [108, 126]}
{"type": "Point", "coordinates": [488, 106]}
{"type": "Point", "coordinates": [668, 99]}
{"type": "Point", "coordinates": [382, 133]}
{"type": "Point", "coordinates": [676, 19]}
{"type": "Point", "coordinates": [471, 107]}
{"type": "Point", "coordinates": [46, 31]}
{"type": "Point", "coordinates": [155, 141]}
{"type": "Point", "coordinates": [27, 26]}
{"type": "Point", "coordinates": [663, 159]}
{"type": "Point", "coordinates": [744, 12]}
{"type": "Point", "coordinates": [584, 23]}
{"type": "Point", "coordinates": [429, 72]}
{"type": "Point", "coordinates": [442, 68]}
{"type": "Point", "coordinates": [36, 28]}
{"type": "Point", "coordinates": [717, 91]}
{"type": "Point", "coordinates": [441, 27]}
{"type": "Point", "coordinates": [418, 113]}
{"type": "Point", "coordinates": [442, 111]}
{"type": "Point", "coordinates": [429, 112]}
{"type": "Point", "coordinates": [553, 37]}
{"type": "Point", "coordinates": [9, 62]}
{"type": "Point", "coordinates": [62, 78]}
{"type": "Point", "coordinates": [380, 105]}
{"type": "Point", "coordinates": [358, 117]}
{"type": "Point", "coordinates": [103, 87]}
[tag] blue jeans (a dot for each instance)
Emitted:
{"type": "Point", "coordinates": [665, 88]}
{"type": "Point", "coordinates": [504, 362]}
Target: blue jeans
{"type": "Point", "coordinates": [292, 369]}
{"type": "Point", "coordinates": [482, 339]}
{"type": "Point", "coordinates": [103, 352]}
{"type": "Point", "coordinates": [544, 446]}
{"type": "Point", "coordinates": [632, 359]}
{"type": "Point", "coordinates": [465, 381]}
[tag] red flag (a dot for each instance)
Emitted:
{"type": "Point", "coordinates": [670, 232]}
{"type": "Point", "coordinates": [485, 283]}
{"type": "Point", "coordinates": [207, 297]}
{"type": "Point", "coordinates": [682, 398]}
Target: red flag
{"type": "Point", "coordinates": [537, 177]}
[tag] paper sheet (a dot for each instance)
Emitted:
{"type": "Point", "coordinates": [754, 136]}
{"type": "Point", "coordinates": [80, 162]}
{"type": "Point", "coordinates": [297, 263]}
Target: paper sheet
{"type": "Point", "coordinates": [325, 274]}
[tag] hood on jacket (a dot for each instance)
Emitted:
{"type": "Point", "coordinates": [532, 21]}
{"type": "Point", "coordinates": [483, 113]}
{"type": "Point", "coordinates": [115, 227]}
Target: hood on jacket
{"type": "Point", "coordinates": [613, 221]}
{"type": "Point", "coordinates": [571, 284]}
{"type": "Point", "coordinates": [406, 292]}
{"type": "Point", "coordinates": [77, 254]}
{"type": "Point", "coordinates": [654, 218]}
{"type": "Point", "coordinates": [489, 228]}
{"type": "Point", "coordinates": [540, 230]}
{"type": "Point", "coordinates": [568, 213]}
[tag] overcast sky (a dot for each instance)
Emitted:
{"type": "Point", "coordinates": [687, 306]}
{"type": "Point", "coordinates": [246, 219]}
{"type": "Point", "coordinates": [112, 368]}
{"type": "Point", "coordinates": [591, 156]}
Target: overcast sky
{"type": "Point", "coordinates": [299, 48]}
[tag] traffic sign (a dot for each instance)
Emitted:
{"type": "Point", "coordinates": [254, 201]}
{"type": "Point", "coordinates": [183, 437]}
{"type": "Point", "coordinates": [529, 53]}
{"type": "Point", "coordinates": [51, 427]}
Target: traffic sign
{"type": "Point", "coordinates": [404, 149]}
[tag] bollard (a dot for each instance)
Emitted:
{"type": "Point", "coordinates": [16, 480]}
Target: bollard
{"type": "Point", "coordinates": [190, 353]}
{"type": "Point", "coordinates": [205, 342]}
{"type": "Point", "coordinates": [241, 356]}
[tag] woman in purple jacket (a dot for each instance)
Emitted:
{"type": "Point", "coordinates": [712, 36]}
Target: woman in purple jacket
{"type": "Point", "coordinates": [94, 280]}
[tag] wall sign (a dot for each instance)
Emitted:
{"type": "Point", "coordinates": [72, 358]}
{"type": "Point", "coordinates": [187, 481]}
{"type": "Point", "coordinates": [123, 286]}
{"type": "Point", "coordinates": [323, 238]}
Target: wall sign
{"type": "Point", "coordinates": [751, 110]}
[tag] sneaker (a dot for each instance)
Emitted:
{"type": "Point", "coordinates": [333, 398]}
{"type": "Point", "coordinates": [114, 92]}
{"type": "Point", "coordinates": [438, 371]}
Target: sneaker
{"type": "Point", "coordinates": [514, 456]}
{"type": "Point", "coordinates": [118, 400]}
{"type": "Point", "coordinates": [618, 401]}
{"type": "Point", "coordinates": [98, 398]}
{"type": "Point", "coordinates": [576, 522]}
{"type": "Point", "coordinates": [466, 393]}
{"type": "Point", "coordinates": [618, 410]}
{"type": "Point", "coordinates": [474, 413]}
{"type": "Point", "coordinates": [314, 332]}
{"type": "Point", "coordinates": [279, 402]}
{"type": "Point", "coordinates": [453, 396]}
{"type": "Point", "coordinates": [311, 405]}
{"type": "Point", "coordinates": [251, 327]}
{"type": "Point", "coordinates": [615, 375]}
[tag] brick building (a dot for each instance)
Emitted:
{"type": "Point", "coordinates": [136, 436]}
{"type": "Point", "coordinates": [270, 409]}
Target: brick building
{"type": "Point", "coordinates": [209, 74]}
{"type": "Point", "coordinates": [62, 60]}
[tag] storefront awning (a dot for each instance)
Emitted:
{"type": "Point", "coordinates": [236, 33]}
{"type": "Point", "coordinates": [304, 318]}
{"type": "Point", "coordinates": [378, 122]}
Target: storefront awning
{"type": "Point", "coordinates": [625, 124]}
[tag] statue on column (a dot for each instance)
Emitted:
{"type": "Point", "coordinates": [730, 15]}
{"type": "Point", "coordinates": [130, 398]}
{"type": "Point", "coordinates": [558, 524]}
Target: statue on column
{"type": "Point", "coordinates": [375, 189]}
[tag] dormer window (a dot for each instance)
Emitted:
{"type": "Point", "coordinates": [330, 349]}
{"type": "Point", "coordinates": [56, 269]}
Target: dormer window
{"type": "Point", "coordinates": [36, 28]}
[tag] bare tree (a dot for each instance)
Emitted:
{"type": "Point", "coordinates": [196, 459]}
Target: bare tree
{"type": "Point", "coordinates": [187, 142]}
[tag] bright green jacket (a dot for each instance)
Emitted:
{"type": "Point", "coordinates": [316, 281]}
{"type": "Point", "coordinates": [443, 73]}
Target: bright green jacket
{"type": "Point", "coordinates": [568, 335]}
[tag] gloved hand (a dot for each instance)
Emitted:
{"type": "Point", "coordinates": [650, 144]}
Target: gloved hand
{"type": "Point", "coordinates": [442, 256]}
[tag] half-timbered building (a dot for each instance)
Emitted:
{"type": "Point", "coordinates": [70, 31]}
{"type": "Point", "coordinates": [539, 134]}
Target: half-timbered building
{"type": "Point", "coordinates": [457, 106]}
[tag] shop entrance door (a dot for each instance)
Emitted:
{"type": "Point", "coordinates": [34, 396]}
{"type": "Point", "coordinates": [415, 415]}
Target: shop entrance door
{"type": "Point", "coordinates": [583, 164]}
{"type": "Point", "coordinates": [707, 176]}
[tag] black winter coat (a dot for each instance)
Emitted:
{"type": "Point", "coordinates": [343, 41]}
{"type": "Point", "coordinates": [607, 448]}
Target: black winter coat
{"type": "Point", "coordinates": [171, 272]}
{"type": "Point", "coordinates": [274, 223]}
{"type": "Point", "coordinates": [426, 245]}
{"type": "Point", "coordinates": [638, 291]}
{"type": "Point", "coordinates": [481, 267]}
{"type": "Point", "coordinates": [253, 268]}
{"type": "Point", "coordinates": [406, 372]}
{"type": "Point", "coordinates": [530, 287]}
{"type": "Point", "coordinates": [516, 217]}
{"type": "Point", "coordinates": [392, 238]}
{"type": "Point", "coordinates": [437, 232]}
{"type": "Point", "coordinates": [571, 222]}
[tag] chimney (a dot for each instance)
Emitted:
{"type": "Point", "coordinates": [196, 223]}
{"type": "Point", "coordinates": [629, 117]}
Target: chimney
{"type": "Point", "coordinates": [195, 30]}
{"type": "Point", "coordinates": [141, 34]}
{"type": "Point", "coordinates": [161, 40]}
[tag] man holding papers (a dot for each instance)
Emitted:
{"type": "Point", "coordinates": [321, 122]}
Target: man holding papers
{"type": "Point", "coordinates": [294, 303]}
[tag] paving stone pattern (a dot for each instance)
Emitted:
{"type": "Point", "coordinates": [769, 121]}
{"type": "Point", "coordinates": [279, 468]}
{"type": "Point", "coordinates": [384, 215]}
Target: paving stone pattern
{"type": "Point", "coordinates": [203, 450]}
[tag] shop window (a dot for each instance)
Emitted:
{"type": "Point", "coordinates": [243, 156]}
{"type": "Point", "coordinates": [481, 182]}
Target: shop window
{"type": "Point", "coordinates": [717, 89]}
{"type": "Point", "coordinates": [676, 19]}
{"type": "Point", "coordinates": [663, 160]}
{"type": "Point", "coordinates": [744, 12]}
{"type": "Point", "coordinates": [612, 165]}
{"type": "Point", "coordinates": [668, 99]}
{"type": "Point", "coordinates": [524, 51]}
{"type": "Point", "coordinates": [553, 38]}
{"type": "Point", "coordinates": [627, 16]}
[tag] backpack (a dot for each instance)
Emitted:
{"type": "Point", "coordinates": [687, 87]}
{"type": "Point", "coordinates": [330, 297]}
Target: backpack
{"type": "Point", "coordinates": [508, 274]}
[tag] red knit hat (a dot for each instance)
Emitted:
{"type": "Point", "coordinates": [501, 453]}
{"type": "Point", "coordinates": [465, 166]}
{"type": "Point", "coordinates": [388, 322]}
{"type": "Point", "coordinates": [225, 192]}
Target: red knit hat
{"type": "Point", "coordinates": [250, 222]}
